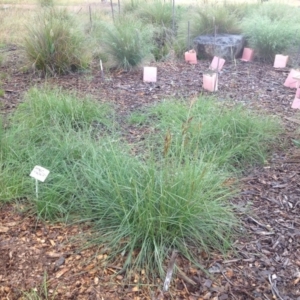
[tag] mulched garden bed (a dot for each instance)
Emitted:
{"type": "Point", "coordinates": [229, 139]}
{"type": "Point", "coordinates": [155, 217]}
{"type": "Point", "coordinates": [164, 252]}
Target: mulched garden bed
{"type": "Point", "coordinates": [266, 260]}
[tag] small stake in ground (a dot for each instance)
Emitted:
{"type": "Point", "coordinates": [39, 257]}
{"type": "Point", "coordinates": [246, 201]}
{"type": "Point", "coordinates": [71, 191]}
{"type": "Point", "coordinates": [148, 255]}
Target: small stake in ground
{"type": "Point", "coordinates": [101, 68]}
{"type": "Point", "coordinates": [112, 10]}
{"type": "Point", "coordinates": [170, 270]}
{"type": "Point", "coordinates": [39, 174]}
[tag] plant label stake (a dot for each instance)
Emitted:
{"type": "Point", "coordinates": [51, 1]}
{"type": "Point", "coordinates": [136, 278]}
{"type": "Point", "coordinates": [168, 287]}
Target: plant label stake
{"type": "Point", "coordinates": [150, 74]}
{"type": "Point", "coordinates": [280, 61]}
{"type": "Point", "coordinates": [248, 54]}
{"type": "Point", "coordinates": [101, 68]}
{"type": "Point", "coordinates": [39, 174]}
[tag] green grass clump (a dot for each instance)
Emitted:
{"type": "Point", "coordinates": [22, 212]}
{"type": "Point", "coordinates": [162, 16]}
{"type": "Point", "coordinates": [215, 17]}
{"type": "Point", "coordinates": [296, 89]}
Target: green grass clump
{"type": "Point", "coordinates": [277, 12]}
{"type": "Point", "coordinates": [57, 108]}
{"type": "Point", "coordinates": [54, 43]}
{"type": "Point", "coordinates": [232, 137]}
{"type": "Point", "coordinates": [128, 42]}
{"type": "Point", "coordinates": [46, 3]}
{"type": "Point", "coordinates": [137, 118]}
{"type": "Point", "coordinates": [51, 129]}
{"type": "Point", "coordinates": [143, 207]}
{"type": "Point", "coordinates": [204, 19]}
{"type": "Point", "coordinates": [157, 13]}
{"type": "Point", "coordinates": [272, 29]}
{"type": "Point", "coordinates": [174, 195]}
{"type": "Point", "coordinates": [131, 6]}
{"type": "Point", "coordinates": [2, 92]}
{"type": "Point", "coordinates": [146, 209]}
{"type": "Point", "coordinates": [242, 9]}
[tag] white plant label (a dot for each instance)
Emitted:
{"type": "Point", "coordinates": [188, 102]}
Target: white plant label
{"type": "Point", "coordinates": [39, 173]}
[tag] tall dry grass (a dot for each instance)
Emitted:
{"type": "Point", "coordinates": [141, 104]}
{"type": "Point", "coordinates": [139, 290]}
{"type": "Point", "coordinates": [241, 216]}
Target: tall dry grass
{"type": "Point", "coordinates": [12, 23]}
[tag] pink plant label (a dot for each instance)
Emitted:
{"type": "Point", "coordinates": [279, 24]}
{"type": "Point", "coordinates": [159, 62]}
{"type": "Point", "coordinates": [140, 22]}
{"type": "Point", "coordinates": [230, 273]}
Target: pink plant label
{"type": "Point", "coordinates": [150, 74]}
{"type": "Point", "coordinates": [191, 57]}
{"type": "Point", "coordinates": [292, 81]}
{"type": "Point", "coordinates": [296, 103]}
{"type": "Point", "coordinates": [210, 82]}
{"type": "Point", "coordinates": [217, 63]}
{"type": "Point", "coordinates": [248, 54]}
{"type": "Point", "coordinates": [280, 61]}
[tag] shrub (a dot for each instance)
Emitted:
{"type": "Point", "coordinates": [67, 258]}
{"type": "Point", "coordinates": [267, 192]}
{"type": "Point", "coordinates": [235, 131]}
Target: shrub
{"type": "Point", "coordinates": [54, 44]}
{"type": "Point", "coordinates": [269, 37]}
{"type": "Point", "coordinates": [128, 42]}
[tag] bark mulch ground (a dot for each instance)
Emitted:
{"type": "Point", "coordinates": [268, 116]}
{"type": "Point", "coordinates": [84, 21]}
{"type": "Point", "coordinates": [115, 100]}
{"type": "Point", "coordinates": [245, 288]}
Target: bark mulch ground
{"type": "Point", "coordinates": [266, 260]}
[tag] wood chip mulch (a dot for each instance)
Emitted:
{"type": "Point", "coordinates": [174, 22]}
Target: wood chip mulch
{"type": "Point", "coordinates": [266, 260]}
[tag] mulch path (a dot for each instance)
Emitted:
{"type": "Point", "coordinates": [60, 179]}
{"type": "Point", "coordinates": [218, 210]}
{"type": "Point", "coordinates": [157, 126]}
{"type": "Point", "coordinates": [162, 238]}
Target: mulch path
{"type": "Point", "coordinates": [266, 260]}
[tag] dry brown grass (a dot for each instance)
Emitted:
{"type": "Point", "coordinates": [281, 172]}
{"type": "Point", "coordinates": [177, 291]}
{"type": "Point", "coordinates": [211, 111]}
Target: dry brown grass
{"type": "Point", "coordinates": [12, 24]}
{"type": "Point", "coordinates": [15, 14]}
{"type": "Point", "coordinates": [88, 2]}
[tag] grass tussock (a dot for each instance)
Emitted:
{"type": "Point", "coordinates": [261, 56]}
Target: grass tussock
{"type": "Point", "coordinates": [206, 19]}
{"type": "Point", "coordinates": [272, 29]}
{"type": "Point", "coordinates": [127, 42]}
{"type": "Point", "coordinates": [157, 13]}
{"type": "Point", "coordinates": [54, 44]}
{"type": "Point", "coordinates": [174, 196]}
{"type": "Point", "coordinates": [232, 137]}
